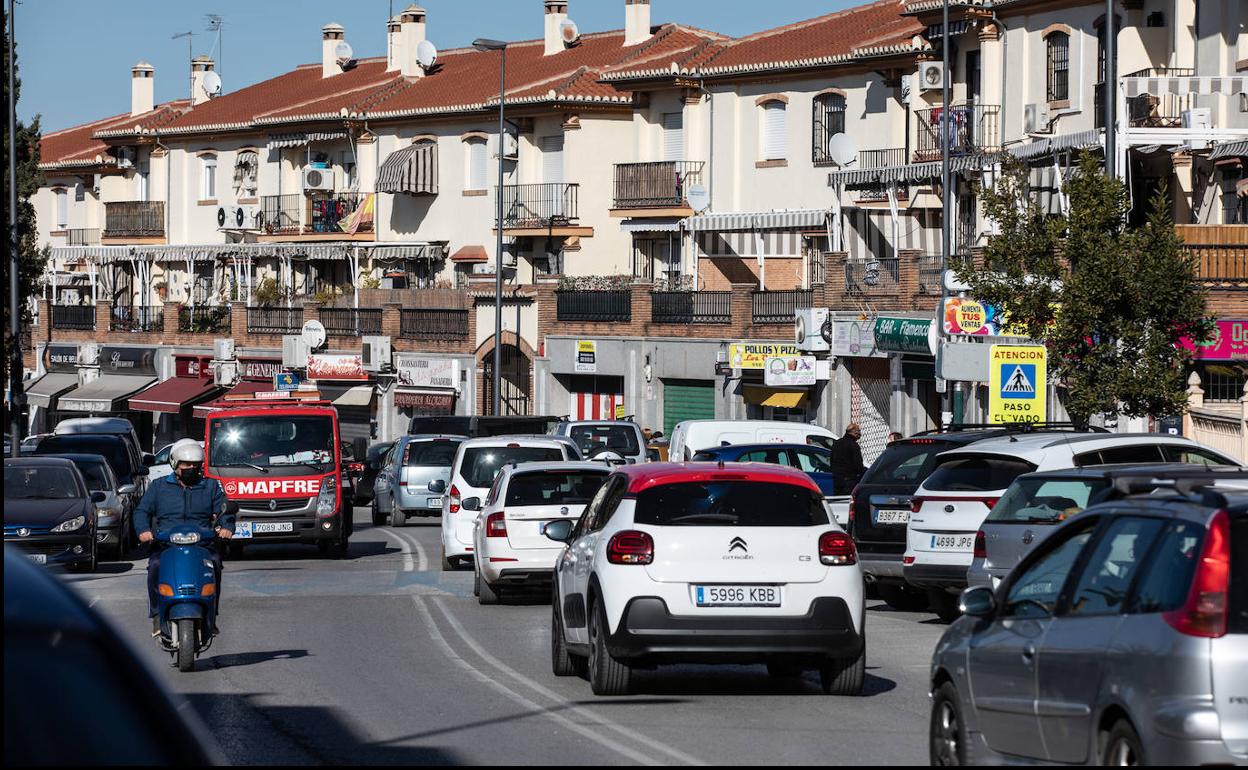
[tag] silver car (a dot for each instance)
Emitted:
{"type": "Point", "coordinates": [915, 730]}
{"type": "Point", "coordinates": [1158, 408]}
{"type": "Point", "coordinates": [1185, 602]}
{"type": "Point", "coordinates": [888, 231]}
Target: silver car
{"type": "Point", "coordinates": [1122, 639]}
{"type": "Point", "coordinates": [413, 478]}
{"type": "Point", "coordinates": [595, 437]}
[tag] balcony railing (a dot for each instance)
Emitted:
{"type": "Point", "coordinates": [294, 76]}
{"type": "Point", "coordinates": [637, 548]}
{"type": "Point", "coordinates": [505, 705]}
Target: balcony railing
{"type": "Point", "coordinates": [663, 184]}
{"type": "Point", "coordinates": [1221, 253]}
{"type": "Point", "coordinates": [134, 219]}
{"type": "Point", "coordinates": [351, 322]}
{"type": "Point", "coordinates": [274, 320]}
{"type": "Point", "coordinates": [893, 156]}
{"type": "Point", "coordinates": [434, 323]}
{"type": "Point", "coordinates": [282, 214]}
{"type": "Point", "coordinates": [139, 318]}
{"type": "Point", "coordinates": [1159, 110]}
{"type": "Point", "coordinates": [930, 275]}
{"type": "Point", "coordinates": [539, 205]}
{"type": "Point", "coordinates": [872, 276]}
{"type": "Point", "coordinates": [973, 129]}
{"type": "Point", "coordinates": [299, 214]}
{"type": "Point", "coordinates": [611, 305]}
{"type": "Point", "coordinates": [77, 317]}
{"type": "Point", "coordinates": [778, 307]}
{"type": "Point", "coordinates": [691, 307]}
{"type": "Point", "coordinates": [89, 236]}
{"type": "Point", "coordinates": [204, 320]}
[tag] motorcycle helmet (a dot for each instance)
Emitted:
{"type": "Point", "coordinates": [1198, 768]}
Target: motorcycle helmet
{"type": "Point", "coordinates": [186, 450]}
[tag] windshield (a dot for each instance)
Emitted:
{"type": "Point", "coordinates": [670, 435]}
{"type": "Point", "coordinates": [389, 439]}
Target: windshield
{"type": "Point", "coordinates": [554, 487]}
{"type": "Point", "coordinates": [39, 482]}
{"type": "Point", "coordinates": [480, 464]}
{"type": "Point", "coordinates": [111, 448]}
{"type": "Point", "coordinates": [439, 453]}
{"type": "Point", "coordinates": [730, 504]}
{"type": "Point", "coordinates": [1045, 500]}
{"type": "Point", "coordinates": [907, 462]}
{"type": "Point", "coordinates": [976, 474]}
{"type": "Point", "coordinates": [271, 440]}
{"type": "Point", "coordinates": [621, 439]}
{"type": "Point", "coordinates": [96, 476]}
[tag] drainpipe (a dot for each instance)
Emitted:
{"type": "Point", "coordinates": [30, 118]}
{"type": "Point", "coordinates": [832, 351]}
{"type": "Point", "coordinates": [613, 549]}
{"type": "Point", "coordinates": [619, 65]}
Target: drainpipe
{"type": "Point", "coordinates": [710, 179]}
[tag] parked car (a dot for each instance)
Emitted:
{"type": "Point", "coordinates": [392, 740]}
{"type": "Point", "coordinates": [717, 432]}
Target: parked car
{"type": "Point", "coordinates": [126, 464]}
{"type": "Point", "coordinates": [511, 548]}
{"type": "Point", "coordinates": [690, 436]}
{"type": "Point", "coordinates": [738, 563]}
{"type": "Point", "coordinates": [594, 437]}
{"type": "Point", "coordinates": [48, 512]}
{"type": "Point", "coordinates": [160, 466]}
{"type": "Point", "coordinates": [108, 426]}
{"type": "Point", "coordinates": [30, 442]}
{"type": "Point", "coordinates": [476, 463]}
{"type": "Point", "coordinates": [413, 478]}
{"type": "Point", "coordinates": [368, 476]}
{"type": "Point", "coordinates": [952, 503]}
{"type": "Point", "coordinates": [114, 526]}
{"type": "Point", "coordinates": [1122, 639]}
{"type": "Point", "coordinates": [814, 461]}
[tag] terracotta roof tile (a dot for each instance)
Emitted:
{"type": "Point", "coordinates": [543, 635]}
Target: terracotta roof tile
{"type": "Point", "coordinates": [77, 145]}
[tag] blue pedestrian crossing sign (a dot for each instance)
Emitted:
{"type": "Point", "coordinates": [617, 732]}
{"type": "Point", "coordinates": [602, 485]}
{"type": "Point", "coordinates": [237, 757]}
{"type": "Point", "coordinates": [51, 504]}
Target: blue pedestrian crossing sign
{"type": "Point", "coordinates": [1018, 384]}
{"type": "Point", "coordinates": [285, 381]}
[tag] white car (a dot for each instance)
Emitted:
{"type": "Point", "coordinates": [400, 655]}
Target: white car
{"type": "Point", "coordinates": [472, 474]}
{"type": "Point", "coordinates": [712, 563]}
{"type": "Point", "coordinates": [949, 507]}
{"type": "Point", "coordinates": [691, 436]}
{"type": "Point", "coordinates": [512, 550]}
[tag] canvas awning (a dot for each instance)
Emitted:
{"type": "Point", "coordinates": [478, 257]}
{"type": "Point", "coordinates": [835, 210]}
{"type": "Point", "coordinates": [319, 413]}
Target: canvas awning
{"type": "Point", "coordinates": [412, 170]}
{"type": "Point", "coordinates": [472, 253]}
{"type": "Point", "coordinates": [44, 391]}
{"type": "Point", "coordinates": [299, 139]}
{"type": "Point", "coordinates": [910, 172]}
{"type": "Point", "coordinates": [353, 395]}
{"type": "Point", "coordinates": [758, 395]}
{"type": "Point", "coordinates": [1230, 150]}
{"type": "Point", "coordinates": [758, 220]}
{"type": "Point", "coordinates": [170, 396]}
{"type": "Point", "coordinates": [1228, 85]}
{"type": "Point", "coordinates": [106, 393]}
{"type": "Point", "coordinates": [1080, 140]}
{"type": "Point", "coordinates": [656, 225]}
{"type": "Point", "coordinates": [244, 388]}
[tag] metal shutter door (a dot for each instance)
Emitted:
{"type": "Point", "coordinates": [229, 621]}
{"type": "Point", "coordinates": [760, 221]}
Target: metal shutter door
{"type": "Point", "coordinates": [870, 395]}
{"type": "Point", "coordinates": [687, 400]}
{"type": "Point", "coordinates": [552, 159]}
{"type": "Point", "coordinates": [673, 136]}
{"type": "Point", "coordinates": [774, 127]}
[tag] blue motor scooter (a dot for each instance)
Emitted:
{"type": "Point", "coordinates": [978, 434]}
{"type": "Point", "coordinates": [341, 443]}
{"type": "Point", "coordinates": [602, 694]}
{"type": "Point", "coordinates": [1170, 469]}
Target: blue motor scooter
{"type": "Point", "coordinates": [187, 593]}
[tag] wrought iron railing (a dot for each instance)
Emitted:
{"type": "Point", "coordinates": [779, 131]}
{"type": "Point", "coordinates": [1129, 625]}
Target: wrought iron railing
{"type": "Point", "coordinates": [539, 205]}
{"type": "Point", "coordinates": [1164, 110]}
{"type": "Point", "coordinates": [351, 322]}
{"type": "Point", "coordinates": [434, 323]}
{"type": "Point", "coordinates": [206, 319]}
{"type": "Point", "coordinates": [973, 129]}
{"type": "Point", "coordinates": [653, 185]}
{"type": "Point", "coordinates": [138, 318]}
{"type": "Point", "coordinates": [930, 275]}
{"type": "Point", "coordinates": [331, 213]}
{"type": "Point", "coordinates": [872, 276]}
{"type": "Point", "coordinates": [82, 236]}
{"type": "Point", "coordinates": [274, 320]}
{"type": "Point", "coordinates": [609, 305]}
{"type": "Point", "coordinates": [778, 307]}
{"type": "Point", "coordinates": [134, 219]}
{"type": "Point", "coordinates": [282, 214]}
{"type": "Point", "coordinates": [78, 317]}
{"type": "Point", "coordinates": [691, 307]}
{"type": "Point", "coordinates": [893, 156]}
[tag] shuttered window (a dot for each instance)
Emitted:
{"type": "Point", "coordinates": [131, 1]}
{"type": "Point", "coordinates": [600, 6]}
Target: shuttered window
{"type": "Point", "coordinates": [478, 160]}
{"type": "Point", "coordinates": [775, 127]}
{"type": "Point", "coordinates": [62, 209]}
{"type": "Point", "coordinates": [552, 159]}
{"type": "Point", "coordinates": [673, 136]}
{"type": "Point", "coordinates": [208, 178]}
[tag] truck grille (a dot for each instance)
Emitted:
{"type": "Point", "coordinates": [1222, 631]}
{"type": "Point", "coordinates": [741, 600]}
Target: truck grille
{"type": "Point", "coordinates": [286, 504]}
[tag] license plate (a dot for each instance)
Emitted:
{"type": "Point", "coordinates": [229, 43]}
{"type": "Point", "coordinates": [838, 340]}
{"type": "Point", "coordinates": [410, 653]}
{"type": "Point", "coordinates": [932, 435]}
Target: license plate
{"type": "Point", "coordinates": [737, 596]}
{"type": "Point", "coordinates": [260, 527]}
{"type": "Point", "coordinates": [38, 558]}
{"type": "Point", "coordinates": [892, 517]}
{"type": "Point", "coordinates": [433, 502]}
{"type": "Point", "coordinates": [953, 542]}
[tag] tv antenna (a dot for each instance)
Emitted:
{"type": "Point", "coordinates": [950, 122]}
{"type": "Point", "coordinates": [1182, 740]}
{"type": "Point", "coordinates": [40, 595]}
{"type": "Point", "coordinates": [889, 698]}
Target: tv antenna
{"type": "Point", "coordinates": [190, 54]}
{"type": "Point", "coordinates": [215, 22]}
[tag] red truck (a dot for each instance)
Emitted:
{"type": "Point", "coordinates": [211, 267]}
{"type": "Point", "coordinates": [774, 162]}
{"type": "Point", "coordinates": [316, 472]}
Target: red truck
{"type": "Point", "coordinates": [281, 461]}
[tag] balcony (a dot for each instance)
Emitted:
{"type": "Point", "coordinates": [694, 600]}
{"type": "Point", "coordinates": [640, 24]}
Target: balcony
{"type": "Point", "coordinates": [691, 307]}
{"type": "Point", "coordinates": [539, 207]}
{"type": "Point", "coordinates": [779, 307]}
{"type": "Point", "coordinates": [434, 323]}
{"type": "Point", "coordinates": [134, 219]}
{"type": "Point", "coordinates": [351, 322]}
{"type": "Point", "coordinates": [204, 320]}
{"type": "Point", "coordinates": [73, 317]}
{"type": "Point", "coordinates": [868, 159]}
{"type": "Point", "coordinates": [1161, 110]}
{"type": "Point", "coordinates": [274, 320]}
{"type": "Point", "coordinates": [139, 318]}
{"type": "Point", "coordinates": [659, 185]}
{"type": "Point", "coordinates": [89, 236]}
{"type": "Point", "coordinates": [316, 214]}
{"type": "Point", "coordinates": [973, 129]}
{"type": "Point", "coordinates": [594, 305]}
{"type": "Point", "coordinates": [1221, 253]}
{"type": "Point", "coordinates": [872, 277]}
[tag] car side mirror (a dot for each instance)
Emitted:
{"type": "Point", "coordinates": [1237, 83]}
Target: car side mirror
{"type": "Point", "coordinates": [127, 489]}
{"type": "Point", "coordinates": [471, 504]}
{"type": "Point", "coordinates": [977, 602]}
{"type": "Point", "coordinates": [98, 497]}
{"type": "Point", "coordinates": [437, 486]}
{"type": "Point", "coordinates": [560, 531]}
{"type": "Point", "coordinates": [149, 459]}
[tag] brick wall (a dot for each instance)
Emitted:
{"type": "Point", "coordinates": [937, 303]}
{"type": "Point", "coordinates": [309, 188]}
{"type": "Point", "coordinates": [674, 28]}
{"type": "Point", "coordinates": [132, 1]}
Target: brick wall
{"type": "Point", "coordinates": [720, 273]}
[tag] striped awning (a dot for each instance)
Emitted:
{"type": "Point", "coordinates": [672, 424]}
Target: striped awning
{"type": "Point", "coordinates": [101, 255]}
{"type": "Point", "coordinates": [428, 251]}
{"type": "Point", "coordinates": [1230, 150]}
{"type": "Point", "coordinates": [910, 172]}
{"type": "Point", "coordinates": [412, 170]}
{"type": "Point", "coordinates": [758, 220]}
{"type": "Point", "coordinates": [1081, 140]}
{"type": "Point", "coordinates": [656, 225]}
{"type": "Point", "coordinates": [1228, 85]}
{"type": "Point", "coordinates": [281, 141]}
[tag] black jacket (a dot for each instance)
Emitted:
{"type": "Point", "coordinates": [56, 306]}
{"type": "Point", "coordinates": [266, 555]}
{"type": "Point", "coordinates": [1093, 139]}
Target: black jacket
{"type": "Point", "coordinates": [847, 464]}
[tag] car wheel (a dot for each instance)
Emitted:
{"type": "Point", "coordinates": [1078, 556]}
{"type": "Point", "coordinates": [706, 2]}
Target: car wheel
{"type": "Point", "coordinates": [844, 676]}
{"type": "Point", "coordinates": [902, 598]}
{"type": "Point", "coordinates": [342, 546]}
{"type": "Point", "coordinates": [1121, 746]}
{"type": "Point", "coordinates": [944, 604]}
{"type": "Point", "coordinates": [946, 744]}
{"type": "Point", "coordinates": [487, 594]}
{"type": "Point", "coordinates": [562, 662]}
{"type": "Point", "coordinates": [607, 676]}
{"type": "Point", "coordinates": [90, 563]}
{"type": "Point", "coordinates": [476, 583]}
{"type": "Point", "coordinates": [379, 518]}
{"type": "Point", "coordinates": [397, 519]}
{"type": "Point", "coordinates": [778, 670]}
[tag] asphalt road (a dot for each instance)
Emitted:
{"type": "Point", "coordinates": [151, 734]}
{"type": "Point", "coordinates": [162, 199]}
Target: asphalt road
{"type": "Point", "coordinates": [381, 658]}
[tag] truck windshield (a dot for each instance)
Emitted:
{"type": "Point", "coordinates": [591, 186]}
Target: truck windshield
{"type": "Point", "coordinates": [271, 440]}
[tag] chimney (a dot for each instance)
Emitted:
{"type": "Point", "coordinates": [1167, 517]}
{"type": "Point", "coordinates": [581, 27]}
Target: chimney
{"type": "Point", "coordinates": [199, 66]}
{"type": "Point", "coordinates": [411, 35]}
{"type": "Point", "coordinates": [142, 88]}
{"type": "Point", "coordinates": [394, 44]}
{"type": "Point", "coordinates": [636, 21]}
{"type": "Point", "coordinates": [556, 14]}
{"type": "Point", "coordinates": [331, 35]}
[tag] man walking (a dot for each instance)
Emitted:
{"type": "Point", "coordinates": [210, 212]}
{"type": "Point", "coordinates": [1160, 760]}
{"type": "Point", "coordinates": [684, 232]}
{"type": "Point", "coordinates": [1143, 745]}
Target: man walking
{"type": "Point", "coordinates": [847, 467]}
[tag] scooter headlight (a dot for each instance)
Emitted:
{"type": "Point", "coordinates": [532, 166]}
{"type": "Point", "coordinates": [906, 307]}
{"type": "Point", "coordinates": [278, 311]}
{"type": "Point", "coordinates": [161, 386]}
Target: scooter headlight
{"type": "Point", "coordinates": [71, 525]}
{"type": "Point", "coordinates": [327, 500]}
{"type": "Point", "coordinates": [184, 538]}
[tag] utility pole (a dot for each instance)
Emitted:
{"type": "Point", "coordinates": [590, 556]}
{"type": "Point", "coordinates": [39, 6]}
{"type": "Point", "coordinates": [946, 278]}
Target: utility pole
{"type": "Point", "coordinates": [483, 44]}
{"type": "Point", "coordinates": [16, 396]}
{"type": "Point", "coordinates": [946, 205]}
{"type": "Point", "coordinates": [1111, 91]}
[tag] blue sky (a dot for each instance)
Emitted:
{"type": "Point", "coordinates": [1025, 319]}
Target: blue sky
{"type": "Point", "coordinates": [74, 56]}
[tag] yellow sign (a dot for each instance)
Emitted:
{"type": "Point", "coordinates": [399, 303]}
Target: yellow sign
{"type": "Point", "coordinates": [754, 355]}
{"type": "Point", "coordinates": [619, 411]}
{"type": "Point", "coordinates": [1017, 384]}
{"type": "Point", "coordinates": [586, 356]}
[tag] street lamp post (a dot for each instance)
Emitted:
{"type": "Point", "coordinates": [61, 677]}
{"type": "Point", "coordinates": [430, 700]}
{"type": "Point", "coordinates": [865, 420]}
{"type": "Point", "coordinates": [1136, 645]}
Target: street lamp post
{"type": "Point", "coordinates": [485, 44]}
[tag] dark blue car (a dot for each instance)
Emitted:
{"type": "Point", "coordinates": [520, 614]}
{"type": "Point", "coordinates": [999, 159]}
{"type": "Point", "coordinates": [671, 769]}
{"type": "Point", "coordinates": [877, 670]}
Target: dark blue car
{"type": "Point", "coordinates": [815, 461]}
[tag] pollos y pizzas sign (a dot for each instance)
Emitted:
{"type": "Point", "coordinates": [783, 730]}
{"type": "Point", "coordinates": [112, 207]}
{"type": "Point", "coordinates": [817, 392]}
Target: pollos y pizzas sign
{"type": "Point", "coordinates": [304, 487]}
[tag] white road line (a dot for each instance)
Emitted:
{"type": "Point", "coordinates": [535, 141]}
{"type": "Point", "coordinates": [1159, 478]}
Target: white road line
{"type": "Point", "coordinates": [403, 546]}
{"type": "Point", "coordinates": [628, 733]}
{"type": "Point", "coordinates": [422, 559]}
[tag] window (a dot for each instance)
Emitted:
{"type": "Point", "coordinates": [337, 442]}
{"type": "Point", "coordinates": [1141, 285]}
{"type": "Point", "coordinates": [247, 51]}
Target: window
{"type": "Point", "coordinates": [142, 176]}
{"type": "Point", "coordinates": [1058, 46]}
{"type": "Point", "coordinates": [1168, 575]}
{"type": "Point", "coordinates": [976, 474]}
{"type": "Point", "coordinates": [1103, 586]}
{"type": "Point", "coordinates": [1044, 500]}
{"type": "Point", "coordinates": [730, 504]}
{"type": "Point", "coordinates": [477, 161]}
{"type": "Point", "coordinates": [346, 159]}
{"type": "Point", "coordinates": [554, 488]}
{"type": "Point", "coordinates": [774, 125]}
{"type": "Point", "coordinates": [1139, 453]}
{"type": "Point", "coordinates": [62, 209]}
{"type": "Point", "coordinates": [552, 158]}
{"type": "Point", "coordinates": [1192, 456]}
{"type": "Point", "coordinates": [673, 136]}
{"type": "Point", "coordinates": [813, 462]}
{"type": "Point", "coordinates": [772, 456]}
{"type": "Point", "coordinates": [829, 120]}
{"type": "Point", "coordinates": [208, 178]}
{"type": "Point", "coordinates": [1035, 593]}
{"type": "Point", "coordinates": [246, 170]}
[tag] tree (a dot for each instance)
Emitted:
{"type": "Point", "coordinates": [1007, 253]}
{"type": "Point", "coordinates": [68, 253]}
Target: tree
{"type": "Point", "coordinates": [1110, 302]}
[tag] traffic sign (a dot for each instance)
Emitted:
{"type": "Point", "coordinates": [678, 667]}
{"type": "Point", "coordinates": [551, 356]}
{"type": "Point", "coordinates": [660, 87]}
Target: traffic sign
{"type": "Point", "coordinates": [1018, 384]}
{"type": "Point", "coordinates": [285, 381]}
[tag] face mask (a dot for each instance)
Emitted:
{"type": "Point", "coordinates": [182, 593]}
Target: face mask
{"type": "Point", "coordinates": [191, 476]}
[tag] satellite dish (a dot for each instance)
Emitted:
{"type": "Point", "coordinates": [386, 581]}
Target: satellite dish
{"type": "Point", "coordinates": [343, 53]}
{"type": "Point", "coordinates": [699, 199]}
{"type": "Point", "coordinates": [426, 54]}
{"type": "Point", "coordinates": [313, 334]}
{"type": "Point", "coordinates": [211, 83]}
{"type": "Point", "coordinates": [842, 149]}
{"type": "Point", "coordinates": [570, 32]}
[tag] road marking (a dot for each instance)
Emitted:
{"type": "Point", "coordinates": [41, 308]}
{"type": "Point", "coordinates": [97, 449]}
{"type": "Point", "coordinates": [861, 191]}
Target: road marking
{"type": "Point", "coordinates": [527, 703]}
{"type": "Point", "coordinates": [628, 733]}
{"type": "Point", "coordinates": [403, 546]}
{"type": "Point", "coordinates": [422, 559]}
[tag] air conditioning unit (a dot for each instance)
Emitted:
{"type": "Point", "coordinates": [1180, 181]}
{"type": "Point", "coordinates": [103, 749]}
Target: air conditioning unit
{"type": "Point", "coordinates": [295, 351]}
{"type": "Point", "coordinates": [225, 373]}
{"type": "Point", "coordinates": [931, 75]}
{"type": "Point", "coordinates": [318, 179]}
{"type": "Point", "coordinates": [808, 329]}
{"type": "Point", "coordinates": [511, 147]}
{"type": "Point", "coordinates": [1035, 118]}
{"type": "Point", "coordinates": [246, 217]}
{"type": "Point", "coordinates": [223, 349]}
{"type": "Point", "coordinates": [89, 354]}
{"type": "Point", "coordinates": [1200, 119]}
{"type": "Point", "coordinates": [376, 353]}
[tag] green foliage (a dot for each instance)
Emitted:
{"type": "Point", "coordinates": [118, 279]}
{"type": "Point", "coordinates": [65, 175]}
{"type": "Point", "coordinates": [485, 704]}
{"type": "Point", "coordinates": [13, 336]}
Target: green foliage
{"type": "Point", "coordinates": [268, 292]}
{"type": "Point", "coordinates": [1125, 296]}
{"type": "Point", "coordinates": [593, 282]}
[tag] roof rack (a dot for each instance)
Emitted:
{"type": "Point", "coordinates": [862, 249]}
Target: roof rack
{"type": "Point", "coordinates": [1194, 483]}
{"type": "Point", "coordinates": [1011, 427]}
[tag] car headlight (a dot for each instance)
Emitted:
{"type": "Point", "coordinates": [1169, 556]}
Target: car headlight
{"type": "Point", "coordinates": [327, 500]}
{"type": "Point", "coordinates": [71, 525]}
{"type": "Point", "coordinates": [184, 538]}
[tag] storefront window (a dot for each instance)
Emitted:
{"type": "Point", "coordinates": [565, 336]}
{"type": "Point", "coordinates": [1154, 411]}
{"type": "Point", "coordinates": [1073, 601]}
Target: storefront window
{"type": "Point", "coordinates": [1225, 382]}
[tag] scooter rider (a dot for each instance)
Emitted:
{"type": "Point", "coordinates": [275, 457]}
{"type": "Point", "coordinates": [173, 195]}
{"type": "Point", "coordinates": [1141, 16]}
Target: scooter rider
{"type": "Point", "coordinates": [184, 497]}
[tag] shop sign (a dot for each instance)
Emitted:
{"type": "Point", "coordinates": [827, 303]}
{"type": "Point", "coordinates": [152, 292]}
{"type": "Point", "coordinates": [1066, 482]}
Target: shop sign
{"type": "Point", "coordinates": [422, 372]}
{"type": "Point", "coordinates": [260, 368]}
{"type": "Point", "coordinates": [965, 316]}
{"type": "Point", "coordinates": [1228, 343]}
{"type": "Point", "coordinates": [427, 403]}
{"type": "Point", "coordinates": [854, 339]}
{"type": "Point", "coordinates": [62, 358]}
{"type": "Point", "coordinates": [905, 335]}
{"type": "Point", "coordinates": [138, 361]}
{"type": "Point", "coordinates": [788, 371]}
{"type": "Point", "coordinates": [1017, 383]}
{"type": "Point", "coordinates": [754, 355]}
{"type": "Point", "coordinates": [192, 366]}
{"type": "Point", "coordinates": [586, 356]}
{"type": "Point", "coordinates": [327, 366]}
{"type": "Point", "coordinates": [285, 382]}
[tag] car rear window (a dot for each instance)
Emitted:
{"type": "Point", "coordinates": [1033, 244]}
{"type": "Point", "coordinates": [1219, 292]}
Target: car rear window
{"type": "Point", "coordinates": [1168, 574]}
{"type": "Point", "coordinates": [905, 462]}
{"type": "Point", "coordinates": [481, 464]}
{"type": "Point", "coordinates": [430, 453]}
{"type": "Point", "coordinates": [617, 438]}
{"type": "Point", "coordinates": [976, 474]}
{"type": "Point", "coordinates": [554, 487]}
{"type": "Point", "coordinates": [1044, 501]}
{"type": "Point", "coordinates": [112, 448]}
{"type": "Point", "coordinates": [730, 504]}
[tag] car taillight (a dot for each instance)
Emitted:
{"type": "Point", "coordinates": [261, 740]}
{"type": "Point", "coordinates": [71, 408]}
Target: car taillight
{"type": "Point", "coordinates": [454, 501]}
{"type": "Point", "coordinates": [837, 549]}
{"type": "Point", "coordinates": [981, 545]}
{"type": "Point", "coordinates": [915, 504]}
{"type": "Point", "coordinates": [991, 502]}
{"type": "Point", "coordinates": [630, 547]}
{"type": "Point", "coordinates": [853, 495]}
{"type": "Point", "coordinates": [1204, 613]}
{"type": "Point", "coordinates": [495, 525]}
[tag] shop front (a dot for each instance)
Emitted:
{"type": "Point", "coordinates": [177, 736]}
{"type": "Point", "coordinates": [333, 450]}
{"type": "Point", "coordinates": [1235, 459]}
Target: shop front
{"type": "Point", "coordinates": [777, 382]}
{"type": "Point", "coordinates": [255, 375]}
{"type": "Point", "coordinates": [172, 402]}
{"type": "Point", "coordinates": [425, 386]}
{"type": "Point", "coordinates": [1222, 362]}
{"type": "Point", "coordinates": [60, 364]}
{"type": "Point", "coordinates": [107, 387]}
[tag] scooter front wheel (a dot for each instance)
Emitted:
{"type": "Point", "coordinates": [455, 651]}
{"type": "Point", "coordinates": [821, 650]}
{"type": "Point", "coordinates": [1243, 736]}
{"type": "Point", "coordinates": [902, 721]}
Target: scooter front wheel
{"type": "Point", "coordinates": [186, 644]}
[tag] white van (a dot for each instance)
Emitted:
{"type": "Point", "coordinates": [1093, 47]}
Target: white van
{"type": "Point", "coordinates": [690, 436]}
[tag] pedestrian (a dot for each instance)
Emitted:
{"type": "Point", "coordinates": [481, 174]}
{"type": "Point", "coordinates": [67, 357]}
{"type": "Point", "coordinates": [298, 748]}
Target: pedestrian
{"type": "Point", "coordinates": [894, 437]}
{"type": "Point", "coordinates": [847, 467]}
